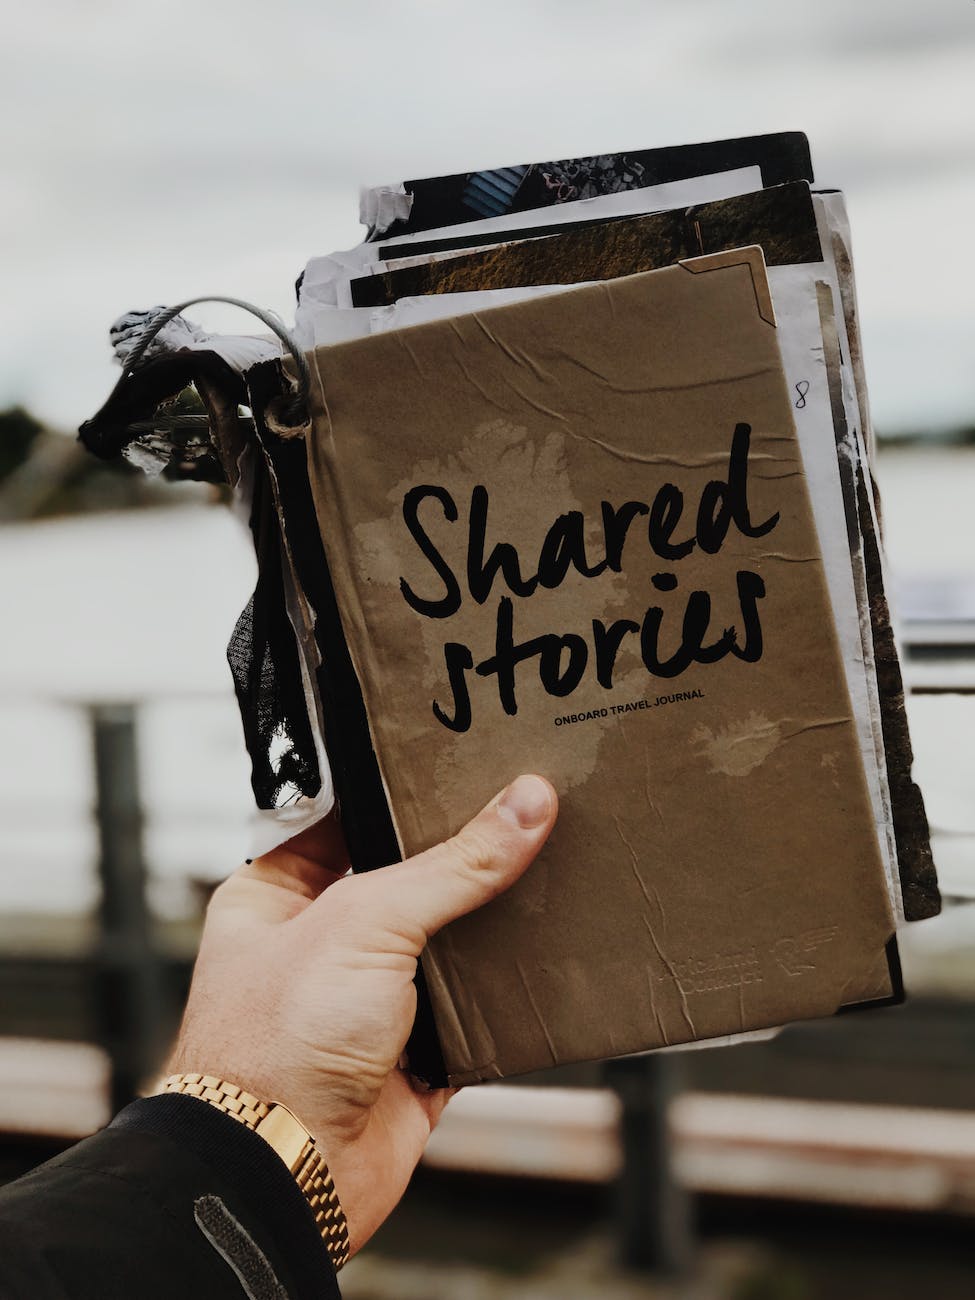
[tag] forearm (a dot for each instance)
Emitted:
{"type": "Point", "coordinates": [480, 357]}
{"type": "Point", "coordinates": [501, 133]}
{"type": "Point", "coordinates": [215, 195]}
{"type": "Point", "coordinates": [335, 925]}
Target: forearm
{"type": "Point", "coordinates": [173, 1193]}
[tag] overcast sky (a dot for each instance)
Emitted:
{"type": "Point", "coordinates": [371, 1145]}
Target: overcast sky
{"type": "Point", "coordinates": [158, 151]}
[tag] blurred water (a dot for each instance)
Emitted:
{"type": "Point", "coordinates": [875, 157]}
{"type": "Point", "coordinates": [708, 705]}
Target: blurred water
{"type": "Point", "coordinates": [131, 606]}
{"type": "Point", "coordinates": [929, 521]}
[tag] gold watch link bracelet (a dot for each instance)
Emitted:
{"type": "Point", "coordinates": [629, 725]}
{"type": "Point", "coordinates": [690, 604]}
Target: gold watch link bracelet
{"type": "Point", "coordinates": [292, 1142]}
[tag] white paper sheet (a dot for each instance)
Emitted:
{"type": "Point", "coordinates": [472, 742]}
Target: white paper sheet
{"type": "Point", "coordinates": [653, 198]}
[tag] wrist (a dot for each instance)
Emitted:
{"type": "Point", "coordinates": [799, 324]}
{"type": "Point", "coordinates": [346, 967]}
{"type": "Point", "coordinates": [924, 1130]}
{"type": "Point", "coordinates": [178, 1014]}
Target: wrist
{"type": "Point", "coordinates": [288, 1138]}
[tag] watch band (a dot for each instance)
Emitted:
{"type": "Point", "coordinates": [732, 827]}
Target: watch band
{"type": "Point", "coordinates": [292, 1142]}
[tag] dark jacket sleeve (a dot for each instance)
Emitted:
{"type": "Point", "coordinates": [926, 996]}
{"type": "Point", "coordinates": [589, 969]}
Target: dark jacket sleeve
{"type": "Point", "coordinates": [172, 1199]}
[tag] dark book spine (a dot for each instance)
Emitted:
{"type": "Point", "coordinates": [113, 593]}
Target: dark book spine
{"type": "Point", "coordinates": [359, 789]}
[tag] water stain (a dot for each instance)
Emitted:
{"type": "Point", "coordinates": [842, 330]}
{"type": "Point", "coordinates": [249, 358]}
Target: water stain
{"type": "Point", "coordinates": [739, 748]}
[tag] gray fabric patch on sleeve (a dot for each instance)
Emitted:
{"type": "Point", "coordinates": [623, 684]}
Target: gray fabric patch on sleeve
{"type": "Point", "coordinates": [231, 1240]}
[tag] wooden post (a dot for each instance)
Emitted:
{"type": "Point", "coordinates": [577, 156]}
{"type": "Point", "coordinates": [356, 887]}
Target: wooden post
{"type": "Point", "coordinates": [652, 1210]}
{"type": "Point", "coordinates": [128, 985]}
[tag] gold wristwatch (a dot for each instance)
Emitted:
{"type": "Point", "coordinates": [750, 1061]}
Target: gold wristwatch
{"type": "Point", "coordinates": [292, 1142]}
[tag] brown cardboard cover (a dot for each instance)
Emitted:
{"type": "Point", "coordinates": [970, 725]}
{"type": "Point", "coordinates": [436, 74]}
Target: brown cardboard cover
{"type": "Point", "coordinates": [714, 867]}
{"type": "Point", "coordinates": [783, 221]}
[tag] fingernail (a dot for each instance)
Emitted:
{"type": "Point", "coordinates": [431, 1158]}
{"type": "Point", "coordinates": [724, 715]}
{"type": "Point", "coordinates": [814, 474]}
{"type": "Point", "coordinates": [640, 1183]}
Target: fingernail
{"type": "Point", "coordinates": [526, 803]}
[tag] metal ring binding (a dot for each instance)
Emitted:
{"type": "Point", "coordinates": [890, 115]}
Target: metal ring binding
{"type": "Point", "coordinates": [295, 407]}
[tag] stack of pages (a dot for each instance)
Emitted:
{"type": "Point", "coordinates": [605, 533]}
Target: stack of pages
{"type": "Point", "coordinates": [586, 491]}
{"type": "Point", "coordinates": [590, 460]}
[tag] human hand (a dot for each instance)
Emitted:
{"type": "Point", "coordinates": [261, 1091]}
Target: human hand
{"type": "Point", "coordinates": [303, 989]}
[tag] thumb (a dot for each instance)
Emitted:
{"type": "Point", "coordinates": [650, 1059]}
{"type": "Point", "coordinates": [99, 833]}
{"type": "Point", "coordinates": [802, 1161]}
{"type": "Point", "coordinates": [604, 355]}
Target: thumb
{"type": "Point", "coordinates": [421, 895]}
